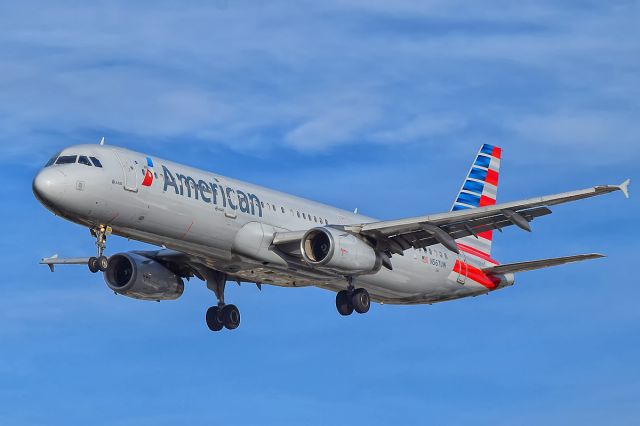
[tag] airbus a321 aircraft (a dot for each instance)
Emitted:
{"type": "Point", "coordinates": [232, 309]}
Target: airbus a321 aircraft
{"type": "Point", "coordinates": [220, 229]}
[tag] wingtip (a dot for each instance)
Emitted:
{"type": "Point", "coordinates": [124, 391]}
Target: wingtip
{"type": "Point", "coordinates": [624, 187]}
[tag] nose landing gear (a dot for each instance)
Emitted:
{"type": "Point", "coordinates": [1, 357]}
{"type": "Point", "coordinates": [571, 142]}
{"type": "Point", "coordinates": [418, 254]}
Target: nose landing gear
{"type": "Point", "coordinates": [100, 262]}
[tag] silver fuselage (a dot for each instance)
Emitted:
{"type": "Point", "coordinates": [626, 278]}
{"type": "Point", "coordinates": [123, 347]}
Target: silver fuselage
{"type": "Point", "coordinates": [228, 224]}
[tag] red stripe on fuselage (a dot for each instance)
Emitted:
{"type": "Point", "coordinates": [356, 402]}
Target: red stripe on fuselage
{"type": "Point", "coordinates": [475, 252]}
{"type": "Point", "coordinates": [476, 275]}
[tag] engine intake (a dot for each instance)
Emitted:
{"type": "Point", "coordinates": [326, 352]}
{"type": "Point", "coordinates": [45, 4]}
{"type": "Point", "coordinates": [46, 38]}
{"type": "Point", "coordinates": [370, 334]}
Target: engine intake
{"type": "Point", "coordinates": [340, 251]}
{"type": "Point", "coordinates": [138, 277]}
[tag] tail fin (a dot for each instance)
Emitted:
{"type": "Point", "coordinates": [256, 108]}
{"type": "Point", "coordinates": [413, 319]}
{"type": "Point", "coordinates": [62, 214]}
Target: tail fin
{"type": "Point", "coordinates": [480, 189]}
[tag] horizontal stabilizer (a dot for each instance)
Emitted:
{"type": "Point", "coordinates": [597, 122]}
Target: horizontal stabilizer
{"type": "Point", "coordinates": [539, 264]}
{"type": "Point", "coordinates": [55, 260]}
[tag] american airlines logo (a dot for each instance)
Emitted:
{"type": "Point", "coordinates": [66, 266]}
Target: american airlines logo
{"type": "Point", "coordinates": [212, 193]}
{"type": "Point", "coordinates": [148, 176]}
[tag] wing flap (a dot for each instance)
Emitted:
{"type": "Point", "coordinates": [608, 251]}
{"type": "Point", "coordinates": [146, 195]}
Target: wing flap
{"type": "Point", "coordinates": [396, 236]}
{"type": "Point", "coordinates": [539, 264]}
{"type": "Point", "coordinates": [419, 238]}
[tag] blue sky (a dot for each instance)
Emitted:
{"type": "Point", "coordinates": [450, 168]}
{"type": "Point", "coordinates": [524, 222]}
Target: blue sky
{"type": "Point", "coordinates": [371, 104]}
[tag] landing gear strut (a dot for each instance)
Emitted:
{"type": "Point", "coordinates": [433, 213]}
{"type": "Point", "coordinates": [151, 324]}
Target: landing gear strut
{"type": "Point", "coordinates": [100, 262]}
{"type": "Point", "coordinates": [352, 299]}
{"type": "Point", "coordinates": [222, 315]}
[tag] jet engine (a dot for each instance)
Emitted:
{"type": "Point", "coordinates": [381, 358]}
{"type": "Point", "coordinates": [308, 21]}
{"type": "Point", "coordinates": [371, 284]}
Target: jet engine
{"type": "Point", "coordinates": [340, 251]}
{"type": "Point", "coordinates": [136, 276]}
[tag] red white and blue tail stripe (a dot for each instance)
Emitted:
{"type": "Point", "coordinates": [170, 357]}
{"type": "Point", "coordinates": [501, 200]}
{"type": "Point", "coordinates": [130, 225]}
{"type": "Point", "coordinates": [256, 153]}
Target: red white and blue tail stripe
{"type": "Point", "coordinates": [480, 189]}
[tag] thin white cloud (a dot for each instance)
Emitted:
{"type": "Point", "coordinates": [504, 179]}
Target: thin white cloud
{"type": "Point", "coordinates": [317, 76]}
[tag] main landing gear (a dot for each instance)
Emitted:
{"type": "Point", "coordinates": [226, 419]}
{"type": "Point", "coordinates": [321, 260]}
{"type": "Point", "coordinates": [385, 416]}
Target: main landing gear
{"type": "Point", "coordinates": [222, 315]}
{"type": "Point", "coordinates": [100, 262]}
{"type": "Point", "coordinates": [351, 299]}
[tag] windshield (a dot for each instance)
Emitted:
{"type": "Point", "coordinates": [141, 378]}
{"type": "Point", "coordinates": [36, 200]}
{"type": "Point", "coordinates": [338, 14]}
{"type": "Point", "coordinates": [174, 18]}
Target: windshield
{"type": "Point", "coordinates": [52, 160]}
{"type": "Point", "coordinates": [84, 160]}
{"type": "Point", "coordinates": [67, 159]}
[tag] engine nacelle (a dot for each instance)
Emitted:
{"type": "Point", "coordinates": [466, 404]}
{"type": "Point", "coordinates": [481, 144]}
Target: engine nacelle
{"type": "Point", "coordinates": [340, 251]}
{"type": "Point", "coordinates": [136, 276]}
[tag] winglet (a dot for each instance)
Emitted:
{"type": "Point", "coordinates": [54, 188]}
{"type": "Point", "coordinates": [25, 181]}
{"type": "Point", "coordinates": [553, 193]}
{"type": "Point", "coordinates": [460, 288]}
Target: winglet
{"type": "Point", "coordinates": [102, 141]}
{"type": "Point", "coordinates": [624, 187]}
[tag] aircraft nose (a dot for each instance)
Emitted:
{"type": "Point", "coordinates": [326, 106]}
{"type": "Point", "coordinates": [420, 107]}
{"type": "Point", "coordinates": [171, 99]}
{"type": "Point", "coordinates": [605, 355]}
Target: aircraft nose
{"type": "Point", "coordinates": [48, 185]}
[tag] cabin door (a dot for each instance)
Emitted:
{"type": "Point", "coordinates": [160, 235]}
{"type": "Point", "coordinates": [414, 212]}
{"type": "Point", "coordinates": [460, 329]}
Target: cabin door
{"type": "Point", "coordinates": [130, 180]}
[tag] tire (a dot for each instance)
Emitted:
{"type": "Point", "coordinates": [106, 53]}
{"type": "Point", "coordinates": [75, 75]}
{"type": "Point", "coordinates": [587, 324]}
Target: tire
{"type": "Point", "coordinates": [230, 317]}
{"type": "Point", "coordinates": [103, 263]}
{"type": "Point", "coordinates": [343, 303]}
{"type": "Point", "coordinates": [361, 301]}
{"type": "Point", "coordinates": [93, 265]}
{"type": "Point", "coordinates": [213, 319]}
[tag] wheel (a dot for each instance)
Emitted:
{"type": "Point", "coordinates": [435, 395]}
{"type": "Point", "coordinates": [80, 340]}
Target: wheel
{"type": "Point", "coordinates": [343, 303]}
{"type": "Point", "coordinates": [361, 301]}
{"type": "Point", "coordinates": [93, 264]}
{"type": "Point", "coordinates": [230, 317]}
{"type": "Point", "coordinates": [213, 319]}
{"type": "Point", "coordinates": [102, 262]}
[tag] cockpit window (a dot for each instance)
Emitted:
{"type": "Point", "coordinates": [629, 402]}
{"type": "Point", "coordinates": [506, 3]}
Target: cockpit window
{"type": "Point", "coordinates": [96, 162]}
{"type": "Point", "coordinates": [67, 159]}
{"type": "Point", "coordinates": [52, 160]}
{"type": "Point", "coordinates": [84, 160]}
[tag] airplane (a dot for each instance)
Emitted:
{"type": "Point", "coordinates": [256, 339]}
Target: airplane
{"type": "Point", "coordinates": [220, 229]}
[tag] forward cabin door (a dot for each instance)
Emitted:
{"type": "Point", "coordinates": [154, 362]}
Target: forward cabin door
{"type": "Point", "coordinates": [130, 181]}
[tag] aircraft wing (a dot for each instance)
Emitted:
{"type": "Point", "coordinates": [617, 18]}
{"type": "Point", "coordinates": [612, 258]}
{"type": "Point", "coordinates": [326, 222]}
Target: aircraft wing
{"type": "Point", "coordinates": [395, 236]}
{"type": "Point", "coordinates": [539, 264]}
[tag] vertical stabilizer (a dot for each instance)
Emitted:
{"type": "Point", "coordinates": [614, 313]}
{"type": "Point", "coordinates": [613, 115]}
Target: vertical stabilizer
{"type": "Point", "coordinates": [479, 189]}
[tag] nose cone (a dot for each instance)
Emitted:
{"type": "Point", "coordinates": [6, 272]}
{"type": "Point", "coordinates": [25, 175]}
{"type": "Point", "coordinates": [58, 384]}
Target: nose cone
{"type": "Point", "coordinates": [48, 186]}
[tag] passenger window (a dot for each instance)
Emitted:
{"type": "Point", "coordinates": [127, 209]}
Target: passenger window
{"type": "Point", "coordinates": [96, 162]}
{"type": "Point", "coordinates": [67, 159]}
{"type": "Point", "coordinates": [84, 160]}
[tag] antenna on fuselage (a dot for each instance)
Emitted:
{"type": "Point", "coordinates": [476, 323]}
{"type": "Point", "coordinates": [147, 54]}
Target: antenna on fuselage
{"type": "Point", "coordinates": [102, 141]}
